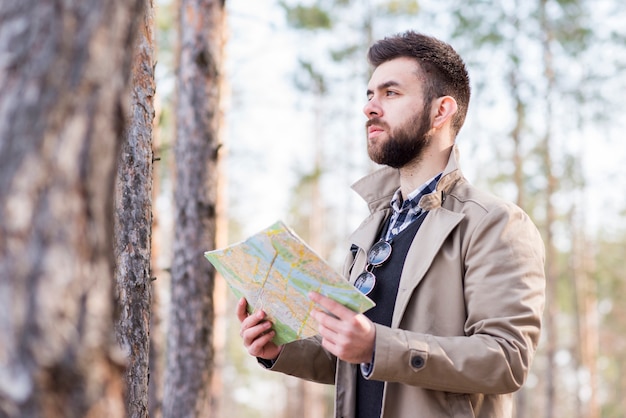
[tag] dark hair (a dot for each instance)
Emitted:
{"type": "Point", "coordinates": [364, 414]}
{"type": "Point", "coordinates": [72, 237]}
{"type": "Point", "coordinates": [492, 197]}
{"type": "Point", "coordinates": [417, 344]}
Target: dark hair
{"type": "Point", "coordinates": [443, 69]}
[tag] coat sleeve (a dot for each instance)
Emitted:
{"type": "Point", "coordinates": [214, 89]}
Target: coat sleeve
{"type": "Point", "coordinates": [308, 360]}
{"type": "Point", "coordinates": [504, 292]}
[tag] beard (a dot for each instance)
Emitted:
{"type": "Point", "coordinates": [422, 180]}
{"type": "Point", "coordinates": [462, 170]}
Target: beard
{"type": "Point", "coordinates": [405, 143]}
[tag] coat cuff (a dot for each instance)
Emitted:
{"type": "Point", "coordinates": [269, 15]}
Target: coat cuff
{"type": "Point", "coordinates": [394, 354]}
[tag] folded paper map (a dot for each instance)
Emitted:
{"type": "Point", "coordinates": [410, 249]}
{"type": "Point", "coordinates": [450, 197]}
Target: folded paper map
{"type": "Point", "coordinates": [275, 270]}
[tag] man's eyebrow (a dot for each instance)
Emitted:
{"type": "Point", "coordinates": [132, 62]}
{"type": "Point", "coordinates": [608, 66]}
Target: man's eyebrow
{"type": "Point", "coordinates": [383, 86]}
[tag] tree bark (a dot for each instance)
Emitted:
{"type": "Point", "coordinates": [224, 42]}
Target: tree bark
{"type": "Point", "coordinates": [190, 353]}
{"type": "Point", "coordinates": [133, 225]}
{"type": "Point", "coordinates": [63, 75]}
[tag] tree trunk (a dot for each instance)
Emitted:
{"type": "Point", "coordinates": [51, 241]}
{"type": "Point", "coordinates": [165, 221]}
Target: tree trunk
{"type": "Point", "coordinates": [190, 352]}
{"type": "Point", "coordinates": [63, 78]}
{"type": "Point", "coordinates": [586, 303]}
{"type": "Point", "coordinates": [552, 270]}
{"type": "Point", "coordinates": [133, 225]}
{"type": "Point", "coordinates": [517, 135]}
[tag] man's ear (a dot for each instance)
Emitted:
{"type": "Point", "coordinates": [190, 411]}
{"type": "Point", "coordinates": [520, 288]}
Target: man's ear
{"type": "Point", "coordinates": [443, 108]}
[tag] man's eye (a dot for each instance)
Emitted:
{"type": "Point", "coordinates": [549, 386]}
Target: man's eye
{"type": "Point", "coordinates": [391, 93]}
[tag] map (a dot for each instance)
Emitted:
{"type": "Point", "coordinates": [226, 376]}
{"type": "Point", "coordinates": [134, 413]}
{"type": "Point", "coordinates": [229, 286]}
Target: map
{"type": "Point", "coordinates": [275, 270]}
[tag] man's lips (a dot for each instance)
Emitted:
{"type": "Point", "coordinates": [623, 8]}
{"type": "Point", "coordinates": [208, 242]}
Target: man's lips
{"type": "Point", "coordinates": [375, 127]}
{"type": "Point", "coordinates": [374, 130]}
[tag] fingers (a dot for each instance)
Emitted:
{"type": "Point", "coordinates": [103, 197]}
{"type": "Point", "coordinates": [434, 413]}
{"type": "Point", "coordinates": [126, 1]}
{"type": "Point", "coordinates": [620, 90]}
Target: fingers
{"type": "Point", "coordinates": [254, 325]}
{"type": "Point", "coordinates": [328, 332]}
{"type": "Point", "coordinates": [346, 334]}
{"type": "Point", "coordinates": [331, 306]}
{"type": "Point", "coordinates": [254, 328]}
{"type": "Point", "coordinates": [256, 332]}
{"type": "Point", "coordinates": [242, 312]}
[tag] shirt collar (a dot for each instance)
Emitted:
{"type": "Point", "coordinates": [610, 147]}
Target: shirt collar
{"type": "Point", "coordinates": [411, 204]}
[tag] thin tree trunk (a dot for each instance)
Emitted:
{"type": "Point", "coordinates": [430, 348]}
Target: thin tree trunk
{"type": "Point", "coordinates": [221, 310]}
{"type": "Point", "coordinates": [551, 253]}
{"type": "Point", "coordinates": [64, 72]}
{"type": "Point", "coordinates": [516, 135]}
{"type": "Point", "coordinates": [133, 227]}
{"type": "Point", "coordinates": [161, 234]}
{"type": "Point", "coordinates": [521, 398]}
{"type": "Point", "coordinates": [308, 399]}
{"type": "Point", "coordinates": [587, 320]}
{"type": "Point", "coordinates": [190, 352]}
{"type": "Point", "coordinates": [621, 388]}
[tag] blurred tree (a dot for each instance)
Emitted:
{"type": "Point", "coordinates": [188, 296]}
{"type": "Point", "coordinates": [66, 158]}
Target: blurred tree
{"type": "Point", "coordinates": [608, 272]}
{"type": "Point", "coordinates": [190, 353]}
{"type": "Point", "coordinates": [585, 298]}
{"type": "Point", "coordinates": [133, 224]}
{"type": "Point", "coordinates": [546, 146]}
{"type": "Point", "coordinates": [543, 54]}
{"type": "Point", "coordinates": [65, 71]}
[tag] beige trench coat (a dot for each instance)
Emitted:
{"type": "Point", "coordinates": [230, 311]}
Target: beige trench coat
{"type": "Point", "coordinates": [468, 312]}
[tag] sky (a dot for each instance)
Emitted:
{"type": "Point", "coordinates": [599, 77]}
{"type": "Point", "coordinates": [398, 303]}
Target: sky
{"type": "Point", "coordinates": [265, 130]}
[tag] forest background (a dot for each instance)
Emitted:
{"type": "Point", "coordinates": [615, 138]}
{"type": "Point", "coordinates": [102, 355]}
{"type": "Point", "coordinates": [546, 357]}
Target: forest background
{"type": "Point", "coordinates": [245, 112]}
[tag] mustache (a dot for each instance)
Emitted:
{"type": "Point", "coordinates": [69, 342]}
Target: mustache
{"type": "Point", "coordinates": [377, 122]}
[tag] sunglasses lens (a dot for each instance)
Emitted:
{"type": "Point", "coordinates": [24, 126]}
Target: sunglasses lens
{"type": "Point", "coordinates": [365, 282]}
{"type": "Point", "coordinates": [379, 253]}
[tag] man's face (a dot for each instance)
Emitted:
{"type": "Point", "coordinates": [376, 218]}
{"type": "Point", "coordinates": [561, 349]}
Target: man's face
{"type": "Point", "coordinates": [398, 123]}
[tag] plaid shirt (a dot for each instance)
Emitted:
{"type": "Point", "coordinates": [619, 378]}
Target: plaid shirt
{"type": "Point", "coordinates": [407, 212]}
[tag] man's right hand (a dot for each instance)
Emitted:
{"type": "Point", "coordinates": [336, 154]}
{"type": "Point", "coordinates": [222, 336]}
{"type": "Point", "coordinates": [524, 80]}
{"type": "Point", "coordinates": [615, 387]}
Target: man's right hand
{"type": "Point", "coordinates": [256, 333]}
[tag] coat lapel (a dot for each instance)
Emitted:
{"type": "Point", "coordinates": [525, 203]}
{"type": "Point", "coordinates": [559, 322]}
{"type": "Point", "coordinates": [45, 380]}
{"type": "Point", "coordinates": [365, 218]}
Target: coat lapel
{"type": "Point", "coordinates": [365, 236]}
{"type": "Point", "coordinates": [428, 240]}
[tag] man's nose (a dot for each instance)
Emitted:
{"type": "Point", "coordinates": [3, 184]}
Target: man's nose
{"type": "Point", "coordinates": [372, 108]}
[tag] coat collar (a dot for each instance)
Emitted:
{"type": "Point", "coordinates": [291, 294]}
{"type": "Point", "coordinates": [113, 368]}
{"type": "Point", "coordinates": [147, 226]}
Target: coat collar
{"type": "Point", "coordinates": [378, 188]}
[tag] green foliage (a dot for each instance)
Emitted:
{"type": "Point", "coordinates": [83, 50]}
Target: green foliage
{"type": "Point", "coordinates": [302, 205]}
{"type": "Point", "coordinates": [314, 80]}
{"type": "Point", "coordinates": [609, 272]}
{"type": "Point", "coordinates": [401, 7]}
{"type": "Point", "coordinates": [307, 17]}
{"type": "Point", "coordinates": [571, 27]}
{"type": "Point", "coordinates": [481, 27]}
{"type": "Point", "coordinates": [347, 52]}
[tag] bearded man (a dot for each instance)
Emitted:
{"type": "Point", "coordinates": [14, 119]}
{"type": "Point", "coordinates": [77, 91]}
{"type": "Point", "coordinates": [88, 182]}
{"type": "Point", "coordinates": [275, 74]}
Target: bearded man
{"type": "Point", "coordinates": [456, 273]}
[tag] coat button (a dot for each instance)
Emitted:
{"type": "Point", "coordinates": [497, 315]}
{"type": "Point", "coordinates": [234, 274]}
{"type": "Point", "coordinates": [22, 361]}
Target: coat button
{"type": "Point", "coordinates": [417, 362]}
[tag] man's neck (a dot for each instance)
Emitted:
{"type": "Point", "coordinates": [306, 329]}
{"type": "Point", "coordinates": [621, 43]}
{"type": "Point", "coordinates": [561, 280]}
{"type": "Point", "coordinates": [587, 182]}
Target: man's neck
{"type": "Point", "coordinates": [432, 162]}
